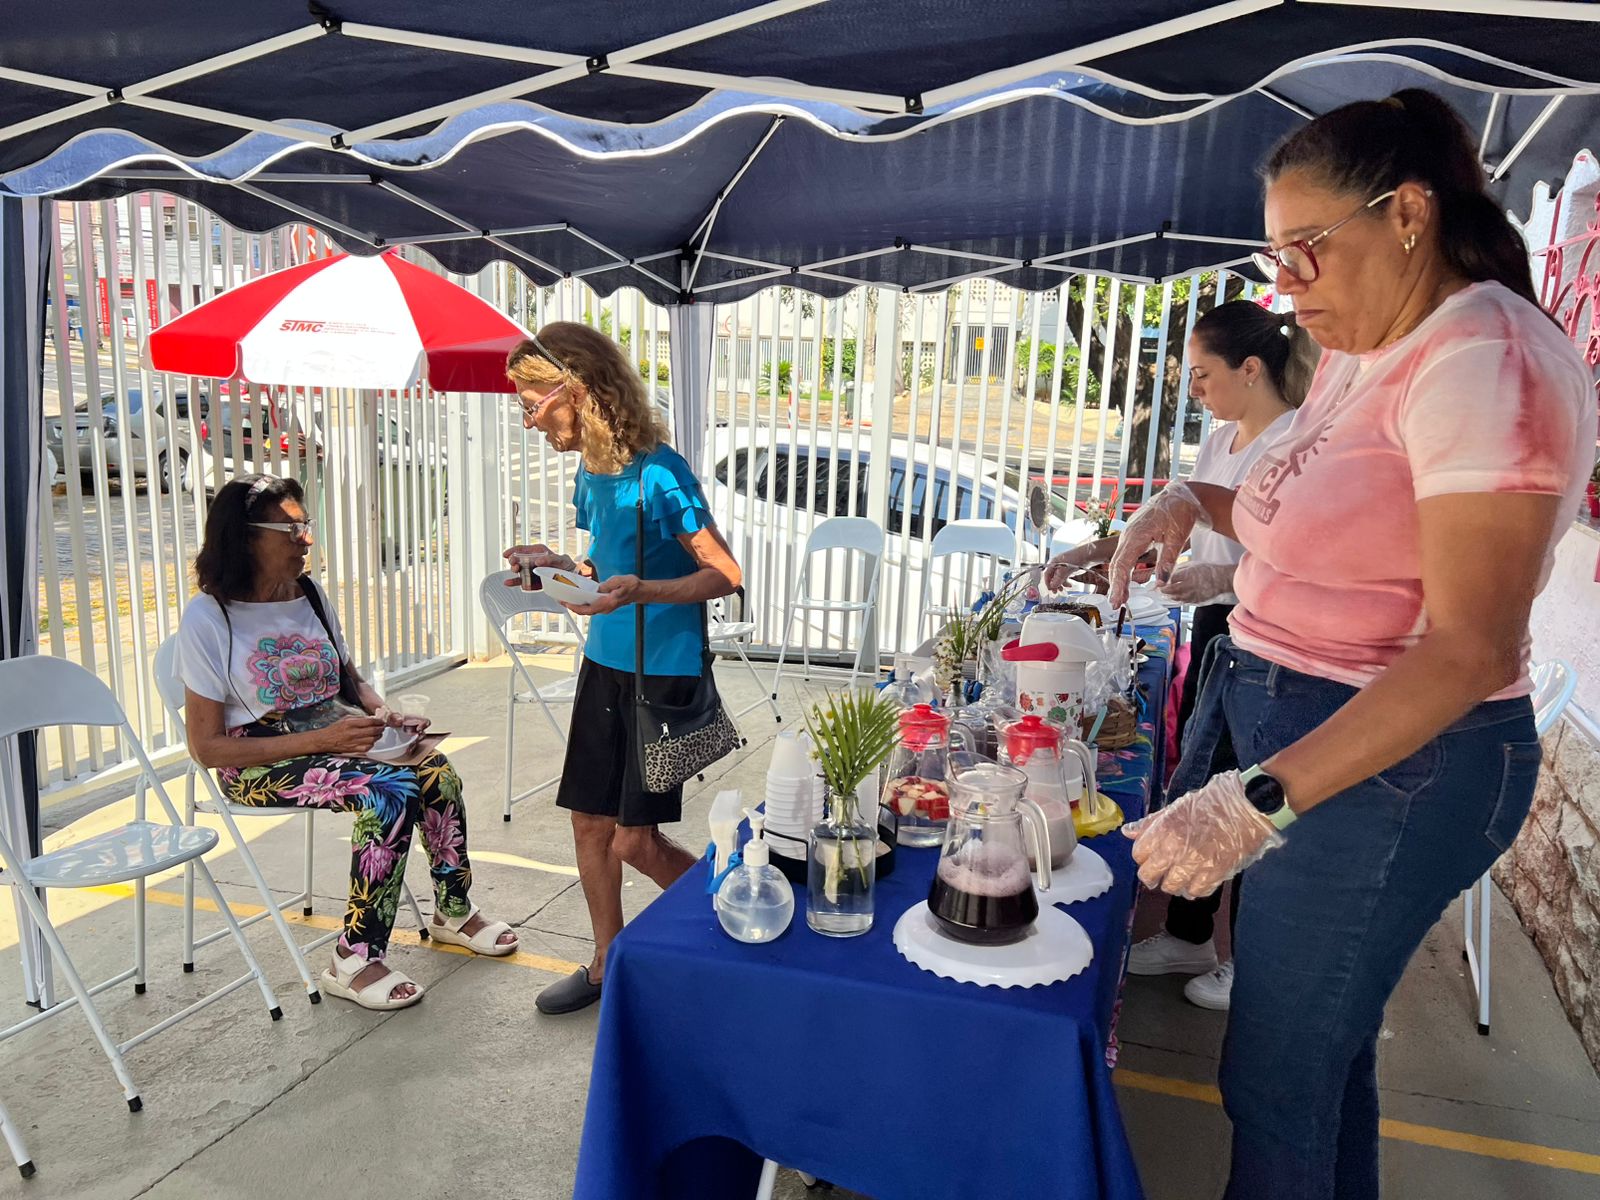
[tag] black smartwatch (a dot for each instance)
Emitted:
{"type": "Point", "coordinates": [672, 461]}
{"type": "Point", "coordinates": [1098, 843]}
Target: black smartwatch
{"type": "Point", "coordinates": [1265, 794]}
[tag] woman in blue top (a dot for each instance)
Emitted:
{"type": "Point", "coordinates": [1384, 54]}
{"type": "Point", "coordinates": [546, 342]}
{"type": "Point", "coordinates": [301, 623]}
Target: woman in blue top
{"type": "Point", "coordinates": [578, 388]}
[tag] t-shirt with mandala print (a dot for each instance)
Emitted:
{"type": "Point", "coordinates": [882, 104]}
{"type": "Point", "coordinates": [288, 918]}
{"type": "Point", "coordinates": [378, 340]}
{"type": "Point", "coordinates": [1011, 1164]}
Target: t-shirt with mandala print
{"type": "Point", "coordinates": [280, 657]}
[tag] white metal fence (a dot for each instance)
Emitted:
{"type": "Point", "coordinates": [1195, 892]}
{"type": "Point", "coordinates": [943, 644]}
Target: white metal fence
{"type": "Point", "coordinates": [913, 410]}
{"type": "Point", "coordinates": [966, 398]}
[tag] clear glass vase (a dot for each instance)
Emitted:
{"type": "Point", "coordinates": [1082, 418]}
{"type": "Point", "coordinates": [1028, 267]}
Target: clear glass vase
{"type": "Point", "coordinates": [841, 871]}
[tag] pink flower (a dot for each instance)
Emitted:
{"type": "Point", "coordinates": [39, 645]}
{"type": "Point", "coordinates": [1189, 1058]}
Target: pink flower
{"type": "Point", "coordinates": [378, 858]}
{"type": "Point", "coordinates": [441, 830]}
{"type": "Point", "coordinates": [325, 788]}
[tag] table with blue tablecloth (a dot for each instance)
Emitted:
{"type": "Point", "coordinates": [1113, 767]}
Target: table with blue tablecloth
{"type": "Point", "coordinates": [839, 1058]}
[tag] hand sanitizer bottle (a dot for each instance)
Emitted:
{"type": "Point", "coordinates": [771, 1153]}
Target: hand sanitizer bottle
{"type": "Point", "coordinates": [755, 902]}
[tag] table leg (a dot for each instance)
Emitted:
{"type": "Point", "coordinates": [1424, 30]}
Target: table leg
{"type": "Point", "coordinates": [769, 1178]}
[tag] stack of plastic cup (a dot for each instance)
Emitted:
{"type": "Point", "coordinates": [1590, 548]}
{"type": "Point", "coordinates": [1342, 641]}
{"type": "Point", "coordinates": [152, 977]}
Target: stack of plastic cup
{"type": "Point", "coordinates": [794, 799]}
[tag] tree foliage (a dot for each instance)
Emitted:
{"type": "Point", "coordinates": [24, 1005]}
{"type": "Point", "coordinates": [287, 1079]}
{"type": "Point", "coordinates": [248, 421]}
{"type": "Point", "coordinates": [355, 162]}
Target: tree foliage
{"type": "Point", "coordinates": [1110, 307]}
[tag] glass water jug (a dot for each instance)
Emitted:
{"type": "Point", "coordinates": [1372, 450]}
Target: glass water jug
{"type": "Point", "coordinates": [982, 891]}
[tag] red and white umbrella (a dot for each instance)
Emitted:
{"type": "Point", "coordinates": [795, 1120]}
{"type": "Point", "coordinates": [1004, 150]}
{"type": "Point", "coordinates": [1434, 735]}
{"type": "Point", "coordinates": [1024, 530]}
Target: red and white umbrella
{"type": "Point", "coordinates": [344, 321]}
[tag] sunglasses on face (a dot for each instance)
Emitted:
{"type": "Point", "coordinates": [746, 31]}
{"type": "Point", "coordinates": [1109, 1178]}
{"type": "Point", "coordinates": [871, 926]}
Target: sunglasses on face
{"type": "Point", "coordinates": [295, 529]}
{"type": "Point", "coordinates": [1297, 259]}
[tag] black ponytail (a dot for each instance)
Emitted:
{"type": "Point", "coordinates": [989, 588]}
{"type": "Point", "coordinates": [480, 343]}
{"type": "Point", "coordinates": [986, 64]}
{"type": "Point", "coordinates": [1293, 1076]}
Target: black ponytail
{"type": "Point", "coordinates": [1242, 329]}
{"type": "Point", "coordinates": [1372, 146]}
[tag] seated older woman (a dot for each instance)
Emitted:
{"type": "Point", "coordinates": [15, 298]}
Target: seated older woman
{"type": "Point", "coordinates": [277, 709]}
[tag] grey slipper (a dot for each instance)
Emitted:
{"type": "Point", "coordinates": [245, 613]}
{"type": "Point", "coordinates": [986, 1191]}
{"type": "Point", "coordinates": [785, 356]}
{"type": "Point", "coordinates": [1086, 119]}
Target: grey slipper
{"type": "Point", "coordinates": [569, 995]}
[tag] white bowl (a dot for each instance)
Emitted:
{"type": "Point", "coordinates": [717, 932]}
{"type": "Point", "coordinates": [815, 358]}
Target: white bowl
{"type": "Point", "coordinates": [394, 744]}
{"type": "Point", "coordinates": [567, 587]}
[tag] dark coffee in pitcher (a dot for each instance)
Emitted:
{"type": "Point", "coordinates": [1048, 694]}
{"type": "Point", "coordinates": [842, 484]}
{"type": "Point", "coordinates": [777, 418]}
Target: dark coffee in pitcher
{"type": "Point", "coordinates": [984, 895]}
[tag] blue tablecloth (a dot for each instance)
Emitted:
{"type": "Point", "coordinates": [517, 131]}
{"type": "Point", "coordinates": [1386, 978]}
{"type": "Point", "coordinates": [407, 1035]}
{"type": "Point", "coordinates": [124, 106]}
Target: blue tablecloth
{"type": "Point", "coordinates": [840, 1058]}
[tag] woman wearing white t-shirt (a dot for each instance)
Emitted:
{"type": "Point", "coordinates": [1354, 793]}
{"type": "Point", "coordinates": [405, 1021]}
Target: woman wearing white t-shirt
{"type": "Point", "coordinates": [275, 707]}
{"type": "Point", "coordinates": [1250, 368]}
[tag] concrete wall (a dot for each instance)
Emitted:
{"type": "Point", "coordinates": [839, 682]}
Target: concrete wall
{"type": "Point", "coordinates": [1552, 874]}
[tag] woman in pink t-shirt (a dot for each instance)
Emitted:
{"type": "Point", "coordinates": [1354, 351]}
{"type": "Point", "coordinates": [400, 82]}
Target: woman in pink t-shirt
{"type": "Point", "coordinates": [1376, 675]}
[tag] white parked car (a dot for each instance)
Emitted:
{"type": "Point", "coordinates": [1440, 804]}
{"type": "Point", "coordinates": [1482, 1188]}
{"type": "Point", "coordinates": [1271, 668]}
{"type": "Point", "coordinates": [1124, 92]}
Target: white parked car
{"type": "Point", "coordinates": [769, 492]}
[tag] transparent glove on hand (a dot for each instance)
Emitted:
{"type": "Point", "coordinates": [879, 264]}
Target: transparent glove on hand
{"type": "Point", "coordinates": [1167, 521]}
{"type": "Point", "coordinates": [1199, 583]}
{"type": "Point", "coordinates": [1058, 572]}
{"type": "Point", "coordinates": [1202, 839]}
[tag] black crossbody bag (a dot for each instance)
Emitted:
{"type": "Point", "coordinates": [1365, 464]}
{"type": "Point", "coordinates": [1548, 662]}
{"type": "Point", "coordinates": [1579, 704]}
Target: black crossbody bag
{"type": "Point", "coordinates": [675, 741]}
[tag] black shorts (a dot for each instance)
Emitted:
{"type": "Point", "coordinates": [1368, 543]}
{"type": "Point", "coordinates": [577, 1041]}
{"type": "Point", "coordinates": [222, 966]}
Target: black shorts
{"type": "Point", "coordinates": [601, 772]}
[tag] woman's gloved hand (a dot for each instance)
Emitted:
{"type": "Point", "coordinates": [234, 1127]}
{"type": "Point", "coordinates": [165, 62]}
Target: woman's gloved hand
{"type": "Point", "coordinates": [1202, 839]}
{"type": "Point", "coordinates": [1200, 583]}
{"type": "Point", "coordinates": [1166, 521]}
{"type": "Point", "coordinates": [1060, 570]}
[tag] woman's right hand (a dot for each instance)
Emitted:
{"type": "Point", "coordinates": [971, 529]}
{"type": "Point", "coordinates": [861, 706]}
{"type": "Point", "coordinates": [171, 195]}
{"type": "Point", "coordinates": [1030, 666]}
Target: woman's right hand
{"type": "Point", "coordinates": [1166, 521]}
{"type": "Point", "coordinates": [1059, 571]}
{"type": "Point", "coordinates": [350, 735]}
{"type": "Point", "coordinates": [537, 555]}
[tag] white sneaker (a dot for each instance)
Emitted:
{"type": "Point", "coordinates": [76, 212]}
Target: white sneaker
{"type": "Point", "coordinates": [1167, 955]}
{"type": "Point", "coordinates": [1211, 990]}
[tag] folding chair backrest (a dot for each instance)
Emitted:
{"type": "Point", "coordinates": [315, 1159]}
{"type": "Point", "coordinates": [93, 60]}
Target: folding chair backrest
{"type": "Point", "coordinates": [173, 694]}
{"type": "Point", "coordinates": [847, 533]}
{"type": "Point", "coordinates": [501, 603]}
{"type": "Point", "coordinates": [1553, 685]}
{"type": "Point", "coordinates": [977, 535]}
{"type": "Point", "coordinates": [38, 691]}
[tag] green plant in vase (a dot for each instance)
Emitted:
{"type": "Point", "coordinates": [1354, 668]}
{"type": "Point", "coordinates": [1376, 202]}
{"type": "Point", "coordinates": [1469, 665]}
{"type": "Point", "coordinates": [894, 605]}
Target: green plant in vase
{"type": "Point", "coordinates": [851, 738]}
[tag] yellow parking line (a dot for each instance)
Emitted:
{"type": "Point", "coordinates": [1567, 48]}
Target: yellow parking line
{"type": "Point", "coordinates": [404, 937]}
{"type": "Point", "coordinates": [1399, 1131]}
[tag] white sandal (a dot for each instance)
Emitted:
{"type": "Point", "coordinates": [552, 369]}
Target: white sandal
{"type": "Point", "coordinates": [336, 981]}
{"type": "Point", "coordinates": [486, 941]}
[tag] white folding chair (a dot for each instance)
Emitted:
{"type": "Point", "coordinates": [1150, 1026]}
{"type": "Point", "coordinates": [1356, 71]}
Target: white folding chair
{"type": "Point", "coordinates": [1553, 685]}
{"type": "Point", "coordinates": [174, 699]}
{"type": "Point", "coordinates": [970, 538]}
{"type": "Point", "coordinates": [735, 636]}
{"type": "Point", "coordinates": [857, 535]}
{"type": "Point", "coordinates": [501, 604]}
{"type": "Point", "coordinates": [38, 692]}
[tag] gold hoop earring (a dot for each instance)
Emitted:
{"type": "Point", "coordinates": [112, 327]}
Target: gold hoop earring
{"type": "Point", "coordinates": [1410, 243]}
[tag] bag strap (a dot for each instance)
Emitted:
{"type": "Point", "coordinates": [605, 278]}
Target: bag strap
{"type": "Point", "coordinates": [347, 687]}
{"type": "Point", "coordinates": [638, 609]}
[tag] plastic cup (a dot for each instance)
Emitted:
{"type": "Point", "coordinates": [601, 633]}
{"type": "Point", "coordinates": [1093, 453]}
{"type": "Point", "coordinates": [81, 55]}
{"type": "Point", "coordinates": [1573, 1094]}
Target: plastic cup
{"type": "Point", "coordinates": [412, 704]}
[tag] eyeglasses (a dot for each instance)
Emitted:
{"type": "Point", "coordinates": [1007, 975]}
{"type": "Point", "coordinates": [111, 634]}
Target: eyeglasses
{"type": "Point", "coordinates": [533, 410]}
{"type": "Point", "coordinates": [295, 529]}
{"type": "Point", "coordinates": [1297, 257]}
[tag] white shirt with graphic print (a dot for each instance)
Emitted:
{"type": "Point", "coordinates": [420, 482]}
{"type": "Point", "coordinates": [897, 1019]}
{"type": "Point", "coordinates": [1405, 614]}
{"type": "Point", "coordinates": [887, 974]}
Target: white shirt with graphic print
{"type": "Point", "coordinates": [278, 659]}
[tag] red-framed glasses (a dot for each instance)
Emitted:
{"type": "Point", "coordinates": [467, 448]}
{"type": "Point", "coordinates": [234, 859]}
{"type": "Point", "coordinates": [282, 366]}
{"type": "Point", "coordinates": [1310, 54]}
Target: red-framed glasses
{"type": "Point", "coordinates": [1296, 257]}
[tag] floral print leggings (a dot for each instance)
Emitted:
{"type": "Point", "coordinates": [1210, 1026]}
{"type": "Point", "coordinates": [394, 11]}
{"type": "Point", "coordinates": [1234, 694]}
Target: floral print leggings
{"type": "Point", "coordinates": [389, 802]}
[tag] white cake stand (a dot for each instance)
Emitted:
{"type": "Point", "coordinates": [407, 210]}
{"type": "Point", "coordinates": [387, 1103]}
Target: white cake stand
{"type": "Point", "coordinates": [1056, 948]}
{"type": "Point", "coordinates": [1085, 876]}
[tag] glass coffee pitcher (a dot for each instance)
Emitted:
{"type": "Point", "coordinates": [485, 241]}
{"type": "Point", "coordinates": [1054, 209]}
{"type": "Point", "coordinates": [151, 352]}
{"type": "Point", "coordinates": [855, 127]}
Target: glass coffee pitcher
{"type": "Point", "coordinates": [917, 783]}
{"type": "Point", "coordinates": [982, 891]}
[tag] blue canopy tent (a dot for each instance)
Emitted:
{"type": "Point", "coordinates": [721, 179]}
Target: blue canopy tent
{"type": "Point", "coordinates": [705, 149]}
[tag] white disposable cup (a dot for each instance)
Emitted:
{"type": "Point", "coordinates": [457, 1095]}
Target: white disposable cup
{"type": "Point", "coordinates": [791, 756]}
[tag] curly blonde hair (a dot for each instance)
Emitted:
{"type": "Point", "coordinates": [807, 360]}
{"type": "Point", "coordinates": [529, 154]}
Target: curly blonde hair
{"type": "Point", "coordinates": [618, 418]}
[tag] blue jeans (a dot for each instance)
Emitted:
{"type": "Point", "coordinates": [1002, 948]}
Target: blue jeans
{"type": "Point", "coordinates": [1330, 919]}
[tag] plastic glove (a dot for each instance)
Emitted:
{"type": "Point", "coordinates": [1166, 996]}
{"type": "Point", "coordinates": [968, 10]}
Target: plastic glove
{"type": "Point", "coordinates": [1166, 521]}
{"type": "Point", "coordinates": [1058, 572]}
{"type": "Point", "coordinates": [1200, 583]}
{"type": "Point", "coordinates": [1202, 839]}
